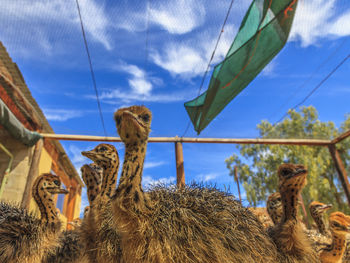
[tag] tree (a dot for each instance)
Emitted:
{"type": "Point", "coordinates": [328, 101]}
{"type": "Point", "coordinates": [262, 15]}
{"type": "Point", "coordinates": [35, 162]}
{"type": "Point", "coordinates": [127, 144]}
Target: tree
{"type": "Point", "coordinates": [258, 164]}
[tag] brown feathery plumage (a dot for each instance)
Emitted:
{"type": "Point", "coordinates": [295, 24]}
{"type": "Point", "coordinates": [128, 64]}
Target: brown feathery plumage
{"type": "Point", "coordinates": [262, 215]}
{"type": "Point", "coordinates": [105, 239]}
{"type": "Point", "coordinates": [92, 177]}
{"type": "Point", "coordinates": [192, 224]}
{"type": "Point", "coordinates": [25, 238]}
{"type": "Point", "coordinates": [78, 245]}
{"type": "Point", "coordinates": [317, 210]}
{"type": "Point", "coordinates": [339, 225]}
{"type": "Point", "coordinates": [288, 233]}
{"type": "Point", "coordinates": [274, 207]}
{"type": "Point", "coordinates": [275, 210]}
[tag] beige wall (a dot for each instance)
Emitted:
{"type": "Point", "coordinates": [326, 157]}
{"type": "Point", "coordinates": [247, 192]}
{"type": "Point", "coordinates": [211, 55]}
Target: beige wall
{"type": "Point", "coordinates": [17, 178]}
{"type": "Point", "coordinates": [45, 163]}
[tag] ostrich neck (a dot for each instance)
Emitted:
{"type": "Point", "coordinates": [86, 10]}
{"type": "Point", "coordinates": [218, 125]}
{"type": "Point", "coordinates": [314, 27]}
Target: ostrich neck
{"type": "Point", "coordinates": [320, 223]}
{"type": "Point", "coordinates": [337, 248]}
{"type": "Point", "coordinates": [109, 179]}
{"type": "Point", "coordinates": [290, 205]}
{"type": "Point", "coordinates": [129, 191]}
{"type": "Point", "coordinates": [46, 206]}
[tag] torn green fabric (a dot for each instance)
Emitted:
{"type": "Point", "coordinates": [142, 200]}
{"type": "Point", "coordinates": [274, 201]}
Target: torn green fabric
{"type": "Point", "coordinates": [9, 121]}
{"type": "Point", "coordinates": [262, 34]}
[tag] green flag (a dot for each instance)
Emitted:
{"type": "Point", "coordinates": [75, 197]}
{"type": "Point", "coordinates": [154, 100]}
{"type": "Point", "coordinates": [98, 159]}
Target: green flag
{"type": "Point", "coordinates": [262, 34]}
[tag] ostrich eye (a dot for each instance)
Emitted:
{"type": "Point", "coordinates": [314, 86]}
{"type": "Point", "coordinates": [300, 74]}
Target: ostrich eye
{"type": "Point", "coordinates": [336, 224]}
{"type": "Point", "coordinates": [57, 182]}
{"type": "Point", "coordinates": [145, 117]}
{"type": "Point", "coordinates": [285, 172]}
{"type": "Point", "coordinates": [102, 149]}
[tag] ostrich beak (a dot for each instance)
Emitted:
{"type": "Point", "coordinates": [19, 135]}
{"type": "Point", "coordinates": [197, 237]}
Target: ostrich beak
{"type": "Point", "coordinates": [299, 172]}
{"type": "Point", "coordinates": [88, 154]}
{"type": "Point", "coordinates": [326, 207]}
{"type": "Point", "coordinates": [58, 190]}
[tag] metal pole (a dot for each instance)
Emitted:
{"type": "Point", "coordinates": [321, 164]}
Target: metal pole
{"type": "Point", "coordinates": [339, 166]}
{"type": "Point", "coordinates": [310, 142]}
{"type": "Point", "coordinates": [180, 170]}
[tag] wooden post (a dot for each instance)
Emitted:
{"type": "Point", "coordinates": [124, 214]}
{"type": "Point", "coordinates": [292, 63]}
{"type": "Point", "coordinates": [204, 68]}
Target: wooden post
{"type": "Point", "coordinates": [70, 206]}
{"type": "Point", "coordinates": [180, 170]}
{"type": "Point", "coordinates": [339, 166]}
{"type": "Point", "coordinates": [237, 182]}
{"type": "Point", "coordinates": [32, 174]}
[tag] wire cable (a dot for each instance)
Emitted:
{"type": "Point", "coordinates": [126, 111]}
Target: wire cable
{"type": "Point", "coordinates": [146, 44]}
{"type": "Point", "coordinates": [310, 77]}
{"type": "Point", "coordinates": [211, 58]}
{"type": "Point", "coordinates": [316, 88]}
{"type": "Point", "coordinates": [91, 68]}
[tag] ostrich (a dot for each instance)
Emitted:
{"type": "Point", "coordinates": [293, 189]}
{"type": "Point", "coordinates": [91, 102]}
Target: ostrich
{"type": "Point", "coordinates": [24, 237]}
{"type": "Point", "coordinates": [100, 231]}
{"type": "Point", "coordinates": [78, 245]}
{"type": "Point", "coordinates": [288, 233]}
{"type": "Point", "coordinates": [316, 211]}
{"type": "Point", "coordinates": [339, 225]}
{"type": "Point", "coordinates": [92, 177]}
{"type": "Point", "coordinates": [192, 224]}
{"type": "Point", "coordinates": [274, 207]}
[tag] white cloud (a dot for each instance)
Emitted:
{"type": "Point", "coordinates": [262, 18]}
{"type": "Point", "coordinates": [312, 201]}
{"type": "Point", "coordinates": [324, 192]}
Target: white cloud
{"type": "Point", "coordinates": [127, 97]}
{"type": "Point", "coordinates": [61, 114]}
{"type": "Point", "coordinates": [45, 25]}
{"type": "Point", "coordinates": [318, 19]}
{"type": "Point", "coordinates": [190, 58]}
{"type": "Point", "coordinates": [138, 82]}
{"type": "Point", "coordinates": [180, 60]}
{"type": "Point", "coordinates": [76, 157]}
{"type": "Point", "coordinates": [207, 177]}
{"type": "Point", "coordinates": [95, 21]}
{"type": "Point", "coordinates": [268, 71]}
{"type": "Point", "coordinates": [148, 180]}
{"type": "Point", "coordinates": [178, 17]}
{"type": "Point", "coordinates": [152, 164]}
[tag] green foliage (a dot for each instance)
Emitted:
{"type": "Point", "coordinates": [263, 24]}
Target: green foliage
{"type": "Point", "coordinates": [258, 166]}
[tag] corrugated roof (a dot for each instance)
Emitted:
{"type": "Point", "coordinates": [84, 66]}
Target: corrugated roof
{"type": "Point", "coordinates": [35, 112]}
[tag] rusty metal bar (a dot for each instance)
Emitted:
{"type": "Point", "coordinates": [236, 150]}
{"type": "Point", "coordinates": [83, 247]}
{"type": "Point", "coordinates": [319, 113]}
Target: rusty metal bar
{"type": "Point", "coordinates": [309, 142]}
{"type": "Point", "coordinates": [341, 137]}
{"type": "Point", "coordinates": [339, 166]}
{"type": "Point", "coordinates": [180, 170]}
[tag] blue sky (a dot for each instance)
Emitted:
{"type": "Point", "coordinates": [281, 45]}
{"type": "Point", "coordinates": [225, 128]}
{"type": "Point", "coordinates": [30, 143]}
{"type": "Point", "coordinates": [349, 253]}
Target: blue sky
{"type": "Point", "coordinates": [162, 68]}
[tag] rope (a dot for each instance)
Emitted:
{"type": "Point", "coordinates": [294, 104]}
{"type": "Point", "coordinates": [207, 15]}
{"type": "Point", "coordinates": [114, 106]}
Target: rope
{"type": "Point", "coordinates": [211, 58]}
{"type": "Point", "coordinates": [91, 68]}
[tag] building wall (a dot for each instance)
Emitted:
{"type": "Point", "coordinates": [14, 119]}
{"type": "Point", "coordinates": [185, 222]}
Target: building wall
{"type": "Point", "coordinates": [17, 97]}
{"type": "Point", "coordinates": [17, 178]}
{"type": "Point", "coordinates": [45, 162]}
